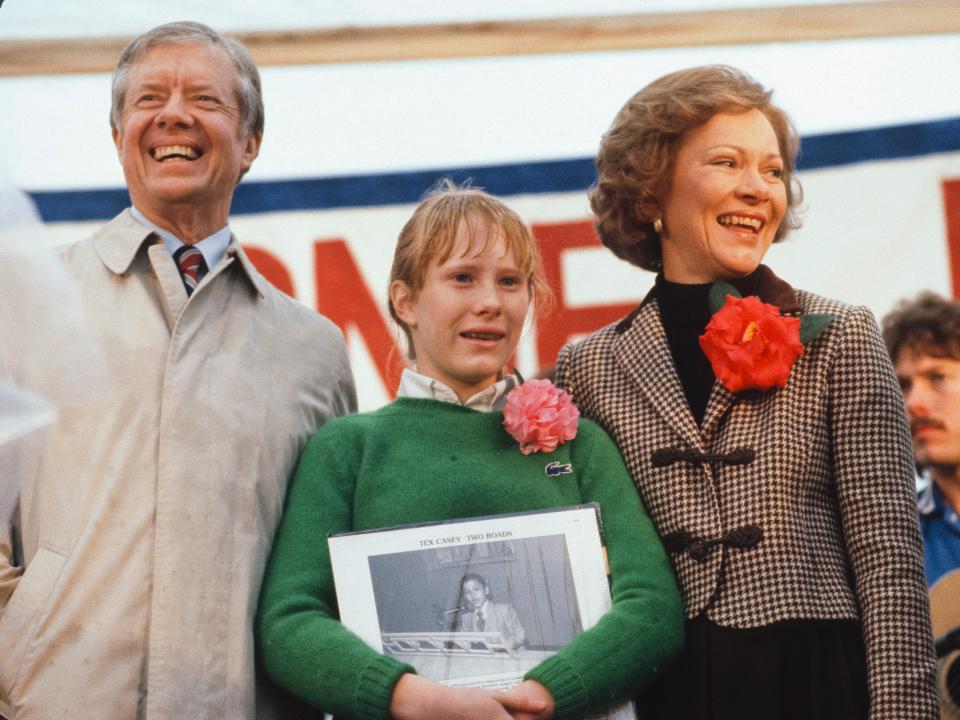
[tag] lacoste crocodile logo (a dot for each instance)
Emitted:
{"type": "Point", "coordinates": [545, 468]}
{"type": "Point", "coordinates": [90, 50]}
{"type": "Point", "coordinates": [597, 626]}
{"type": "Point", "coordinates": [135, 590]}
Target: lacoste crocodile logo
{"type": "Point", "coordinates": [553, 469]}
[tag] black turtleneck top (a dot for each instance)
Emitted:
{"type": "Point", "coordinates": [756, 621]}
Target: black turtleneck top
{"type": "Point", "coordinates": [685, 312]}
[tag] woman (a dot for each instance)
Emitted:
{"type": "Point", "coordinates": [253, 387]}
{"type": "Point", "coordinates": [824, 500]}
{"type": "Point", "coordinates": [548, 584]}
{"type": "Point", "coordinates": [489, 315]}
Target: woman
{"type": "Point", "coordinates": [464, 275]}
{"type": "Point", "coordinates": [784, 489]}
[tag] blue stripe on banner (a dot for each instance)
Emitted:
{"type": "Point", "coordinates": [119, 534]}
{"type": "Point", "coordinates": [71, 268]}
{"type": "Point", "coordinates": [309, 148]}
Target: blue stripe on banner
{"type": "Point", "coordinates": [817, 151]}
{"type": "Point", "coordinates": [886, 143]}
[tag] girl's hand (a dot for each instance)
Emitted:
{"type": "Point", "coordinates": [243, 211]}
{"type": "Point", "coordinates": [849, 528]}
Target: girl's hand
{"type": "Point", "coordinates": [521, 701]}
{"type": "Point", "coordinates": [415, 698]}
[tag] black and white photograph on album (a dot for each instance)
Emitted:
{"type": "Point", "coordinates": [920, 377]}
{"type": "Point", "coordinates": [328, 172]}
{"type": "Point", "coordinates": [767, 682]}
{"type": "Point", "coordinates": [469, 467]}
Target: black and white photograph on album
{"type": "Point", "coordinates": [476, 609]}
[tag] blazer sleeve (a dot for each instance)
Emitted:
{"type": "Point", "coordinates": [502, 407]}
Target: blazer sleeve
{"type": "Point", "coordinates": [303, 645]}
{"type": "Point", "coordinates": [643, 630]}
{"type": "Point", "coordinates": [874, 472]}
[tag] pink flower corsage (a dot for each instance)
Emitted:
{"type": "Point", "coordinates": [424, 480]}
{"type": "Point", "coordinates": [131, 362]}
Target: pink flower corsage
{"type": "Point", "coordinates": [540, 416]}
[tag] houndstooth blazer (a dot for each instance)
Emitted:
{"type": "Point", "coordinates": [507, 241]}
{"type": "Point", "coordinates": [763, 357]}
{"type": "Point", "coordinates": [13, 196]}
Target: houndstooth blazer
{"type": "Point", "coordinates": [789, 503]}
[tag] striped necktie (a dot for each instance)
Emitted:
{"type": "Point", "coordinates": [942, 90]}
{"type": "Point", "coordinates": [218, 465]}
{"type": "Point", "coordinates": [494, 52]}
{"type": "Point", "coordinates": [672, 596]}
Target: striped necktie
{"type": "Point", "coordinates": [192, 266]}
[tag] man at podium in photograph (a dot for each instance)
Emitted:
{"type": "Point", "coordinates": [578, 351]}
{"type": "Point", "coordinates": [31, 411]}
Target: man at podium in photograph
{"type": "Point", "coordinates": [481, 614]}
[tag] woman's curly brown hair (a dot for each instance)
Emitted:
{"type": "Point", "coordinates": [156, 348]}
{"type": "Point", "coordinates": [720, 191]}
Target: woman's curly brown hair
{"type": "Point", "coordinates": [637, 153]}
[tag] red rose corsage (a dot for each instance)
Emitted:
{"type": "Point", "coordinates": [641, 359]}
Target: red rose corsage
{"type": "Point", "coordinates": [540, 416]}
{"type": "Point", "coordinates": [750, 345]}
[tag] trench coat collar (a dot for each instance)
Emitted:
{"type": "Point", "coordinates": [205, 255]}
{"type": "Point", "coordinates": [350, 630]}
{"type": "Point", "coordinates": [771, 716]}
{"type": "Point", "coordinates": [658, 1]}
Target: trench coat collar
{"type": "Point", "coordinates": [249, 271]}
{"type": "Point", "coordinates": [118, 243]}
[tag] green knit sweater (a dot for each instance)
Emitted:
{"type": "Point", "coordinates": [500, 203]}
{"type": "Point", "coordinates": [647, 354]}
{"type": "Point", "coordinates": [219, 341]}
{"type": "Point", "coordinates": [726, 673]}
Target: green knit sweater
{"type": "Point", "coordinates": [418, 461]}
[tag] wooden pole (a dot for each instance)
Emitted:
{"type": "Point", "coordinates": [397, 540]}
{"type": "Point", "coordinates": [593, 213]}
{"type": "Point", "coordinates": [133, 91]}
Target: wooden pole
{"type": "Point", "coordinates": [794, 23]}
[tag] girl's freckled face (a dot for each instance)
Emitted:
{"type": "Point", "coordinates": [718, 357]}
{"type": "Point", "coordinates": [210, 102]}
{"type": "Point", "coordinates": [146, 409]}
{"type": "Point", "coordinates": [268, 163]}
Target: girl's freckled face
{"type": "Point", "coordinates": [466, 320]}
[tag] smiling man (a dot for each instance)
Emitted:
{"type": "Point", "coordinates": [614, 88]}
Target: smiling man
{"type": "Point", "coordinates": [481, 614]}
{"type": "Point", "coordinates": [129, 584]}
{"type": "Point", "coordinates": [923, 337]}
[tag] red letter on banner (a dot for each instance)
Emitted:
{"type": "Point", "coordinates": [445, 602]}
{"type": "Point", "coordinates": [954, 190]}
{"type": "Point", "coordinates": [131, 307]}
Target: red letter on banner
{"type": "Point", "coordinates": [343, 296]}
{"type": "Point", "coordinates": [951, 204]}
{"type": "Point", "coordinates": [559, 326]}
{"type": "Point", "coordinates": [271, 268]}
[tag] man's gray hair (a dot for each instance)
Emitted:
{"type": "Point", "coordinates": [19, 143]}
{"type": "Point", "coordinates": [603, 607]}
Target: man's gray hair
{"type": "Point", "coordinates": [249, 94]}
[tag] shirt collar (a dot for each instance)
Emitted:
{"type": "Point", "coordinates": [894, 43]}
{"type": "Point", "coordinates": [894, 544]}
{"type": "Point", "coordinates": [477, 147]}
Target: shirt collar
{"type": "Point", "coordinates": [930, 501]}
{"type": "Point", "coordinates": [118, 242]}
{"type": "Point", "coordinates": [494, 397]}
{"type": "Point", "coordinates": [213, 247]}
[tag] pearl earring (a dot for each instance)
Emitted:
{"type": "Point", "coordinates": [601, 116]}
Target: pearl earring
{"type": "Point", "coordinates": [657, 225]}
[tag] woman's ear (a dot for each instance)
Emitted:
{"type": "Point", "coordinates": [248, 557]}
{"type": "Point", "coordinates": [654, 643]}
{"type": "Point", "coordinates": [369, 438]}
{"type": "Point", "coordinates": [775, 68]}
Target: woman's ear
{"type": "Point", "coordinates": [404, 303]}
{"type": "Point", "coordinates": [647, 209]}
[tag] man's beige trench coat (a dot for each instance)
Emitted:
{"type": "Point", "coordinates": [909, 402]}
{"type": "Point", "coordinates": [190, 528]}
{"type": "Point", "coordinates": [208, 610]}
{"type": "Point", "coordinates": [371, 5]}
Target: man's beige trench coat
{"type": "Point", "coordinates": [145, 535]}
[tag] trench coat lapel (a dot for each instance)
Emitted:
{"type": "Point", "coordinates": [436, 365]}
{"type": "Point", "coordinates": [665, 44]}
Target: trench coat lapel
{"type": "Point", "coordinates": [644, 356]}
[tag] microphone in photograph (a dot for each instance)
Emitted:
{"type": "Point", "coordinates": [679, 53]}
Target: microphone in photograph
{"type": "Point", "coordinates": [457, 609]}
{"type": "Point", "coordinates": [447, 619]}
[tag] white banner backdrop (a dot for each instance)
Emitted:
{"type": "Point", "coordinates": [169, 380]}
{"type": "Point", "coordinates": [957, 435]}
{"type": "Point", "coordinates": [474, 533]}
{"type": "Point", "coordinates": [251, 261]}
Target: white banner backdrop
{"type": "Point", "coordinates": [873, 233]}
{"type": "Point", "coordinates": [354, 145]}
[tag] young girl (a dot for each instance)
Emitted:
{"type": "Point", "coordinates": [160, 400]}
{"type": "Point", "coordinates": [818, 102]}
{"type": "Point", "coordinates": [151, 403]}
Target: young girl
{"type": "Point", "coordinates": [465, 273]}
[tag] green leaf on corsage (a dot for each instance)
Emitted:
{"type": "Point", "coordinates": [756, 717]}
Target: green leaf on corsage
{"type": "Point", "coordinates": [718, 294]}
{"type": "Point", "coordinates": [813, 325]}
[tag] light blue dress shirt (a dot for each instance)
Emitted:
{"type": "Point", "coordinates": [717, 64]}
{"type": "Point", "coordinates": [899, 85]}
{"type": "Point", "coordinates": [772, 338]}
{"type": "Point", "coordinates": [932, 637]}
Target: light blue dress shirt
{"type": "Point", "coordinates": [213, 247]}
{"type": "Point", "coordinates": [940, 526]}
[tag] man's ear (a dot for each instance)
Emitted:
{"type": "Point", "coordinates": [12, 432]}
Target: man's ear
{"type": "Point", "coordinates": [404, 303]}
{"type": "Point", "coordinates": [251, 148]}
{"type": "Point", "coordinates": [117, 139]}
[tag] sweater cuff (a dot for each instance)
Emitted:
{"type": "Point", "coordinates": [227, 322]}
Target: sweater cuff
{"type": "Point", "coordinates": [375, 685]}
{"type": "Point", "coordinates": [565, 685]}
